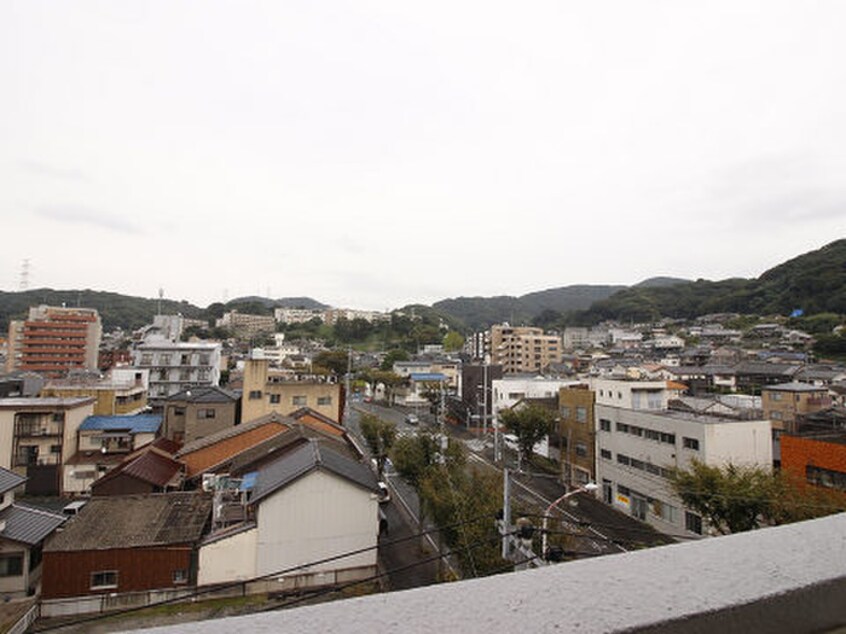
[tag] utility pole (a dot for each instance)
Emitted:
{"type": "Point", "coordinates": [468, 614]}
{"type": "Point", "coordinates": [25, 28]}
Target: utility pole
{"type": "Point", "coordinates": [516, 540]}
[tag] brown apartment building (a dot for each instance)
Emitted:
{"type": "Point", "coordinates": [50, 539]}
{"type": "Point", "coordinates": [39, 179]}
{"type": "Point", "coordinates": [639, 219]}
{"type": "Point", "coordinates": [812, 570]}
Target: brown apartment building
{"type": "Point", "coordinates": [523, 348]}
{"type": "Point", "coordinates": [54, 340]}
{"type": "Point", "coordinates": [578, 432]}
{"type": "Point", "coordinates": [785, 402]}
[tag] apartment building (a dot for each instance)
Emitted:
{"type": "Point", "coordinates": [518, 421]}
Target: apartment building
{"type": "Point", "coordinates": [199, 412]}
{"type": "Point", "coordinates": [246, 326]}
{"type": "Point", "coordinates": [523, 348]}
{"type": "Point", "coordinates": [175, 366]}
{"type": "Point", "coordinates": [636, 449]}
{"type": "Point", "coordinates": [38, 436]}
{"type": "Point", "coordinates": [637, 395]}
{"type": "Point", "coordinates": [54, 340]}
{"type": "Point", "coordinates": [123, 392]}
{"type": "Point", "coordinates": [332, 315]}
{"type": "Point", "coordinates": [268, 390]}
{"type": "Point", "coordinates": [298, 315]}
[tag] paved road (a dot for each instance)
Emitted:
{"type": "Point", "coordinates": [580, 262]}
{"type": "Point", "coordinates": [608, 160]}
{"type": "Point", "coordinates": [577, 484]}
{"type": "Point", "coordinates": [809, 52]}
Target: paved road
{"type": "Point", "coordinates": [404, 560]}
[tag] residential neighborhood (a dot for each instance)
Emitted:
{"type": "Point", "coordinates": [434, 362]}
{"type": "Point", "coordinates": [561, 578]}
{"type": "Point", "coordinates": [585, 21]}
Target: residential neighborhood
{"type": "Point", "coordinates": [190, 463]}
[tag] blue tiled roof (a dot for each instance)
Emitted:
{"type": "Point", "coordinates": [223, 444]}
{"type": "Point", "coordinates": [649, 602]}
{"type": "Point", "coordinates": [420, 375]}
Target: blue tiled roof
{"type": "Point", "coordinates": [141, 424]}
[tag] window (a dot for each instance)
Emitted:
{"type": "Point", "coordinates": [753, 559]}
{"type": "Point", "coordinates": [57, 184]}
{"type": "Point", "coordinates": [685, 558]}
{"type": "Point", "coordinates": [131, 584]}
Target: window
{"type": "Point", "coordinates": [692, 522]}
{"type": "Point", "coordinates": [623, 428]}
{"type": "Point", "coordinates": [776, 415]}
{"type": "Point", "coordinates": [104, 579]}
{"type": "Point", "coordinates": [690, 443]}
{"type": "Point", "coordinates": [581, 449]}
{"type": "Point", "coordinates": [164, 359]}
{"type": "Point", "coordinates": [825, 477]}
{"type": "Point", "coordinates": [651, 434]}
{"type": "Point", "coordinates": [206, 413]}
{"type": "Point", "coordinates": [605, 454]}
{"type": "Point", "coordinates": [58, 417]}
{"type": "Point", "coordinates": [565, 411]}
{"type": "Point", "coordinates": [775, 396]}
{"type": "Point", "coordinates": [581, 414]}
{"type": "Point", "coordinates": [638, 464]}
{"type": "Point", "coordinates": [204, 359]}
{"type": "Point", "coordinates": [55, 449]}
{"type": "Point", "coordinates": [186, 359]}
{"type": "Point", "coordinates": [670, 439]}
{"type": "Point", "coordinates": [623, 459]}
{"type": "Point", "coordinates": [275, 399]}
{"type": "Point", "coordinates": [11, 565]}
{"type": "Point", "coordinates": [178, 411]}
{"type": "Point", "coordinates": [180, 576]}
{"type": "Point", "coordinates": [255, 394]}
{"type": "Point", "coordinates": [185, 375]}
{"type": "Point", "coordinates": [146, 359]}
{"type": "Point", "coordinates": [324, 400]}
{"type": "Point", "coordinates": [604, 424]}
{"type": "Point", "coordinates": [299, 400]}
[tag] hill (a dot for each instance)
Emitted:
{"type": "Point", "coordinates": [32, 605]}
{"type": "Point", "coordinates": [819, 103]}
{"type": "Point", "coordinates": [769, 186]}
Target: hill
{"type": "Point", "coordinates": [814, 282]}
{"type": "Point", "coordinates": [115, 310]}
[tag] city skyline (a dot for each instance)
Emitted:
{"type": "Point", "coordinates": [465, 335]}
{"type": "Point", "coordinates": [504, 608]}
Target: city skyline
{"type": "Point", "coordinates": [370, 155]}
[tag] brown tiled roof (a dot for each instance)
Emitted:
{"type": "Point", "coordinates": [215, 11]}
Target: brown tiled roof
{"type": "Point", "coordinates": [135, 521]}
{"type": "Point", "coordinates": [152, 466]}
{"type": "Point", "coordinates": [230, 432]}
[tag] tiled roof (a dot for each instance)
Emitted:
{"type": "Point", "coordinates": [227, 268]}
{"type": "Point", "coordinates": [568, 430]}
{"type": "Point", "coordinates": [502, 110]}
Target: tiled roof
{"type": "Point", "coordinates": [28, 525]}
{"type": "Point", "coordinates": [140, 424]}
{"type": "Point", "coordinates": [229, 432]}
{"type": "Point", "coordinates": [204, 394]}
{"type": "Point", "coordinates": [151, 466]}
{"type": "Point", "coordinates": [9, 480]}
{"type": "Point", "coordinates": [130, 521]}
{"type": "Point", "coordinates": [305, 459]}
{"type": "Point", "coordinates": [794, 387]}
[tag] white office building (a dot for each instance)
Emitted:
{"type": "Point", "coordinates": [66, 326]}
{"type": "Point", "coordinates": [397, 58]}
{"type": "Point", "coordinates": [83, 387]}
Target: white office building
{"type": "Point", "coordinates": [177, 366]}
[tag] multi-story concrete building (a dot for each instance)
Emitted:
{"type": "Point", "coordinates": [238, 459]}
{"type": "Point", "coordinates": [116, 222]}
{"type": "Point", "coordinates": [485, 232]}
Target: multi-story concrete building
{"type": "Point", "coordinates": [245, 326]}
{"type": "Point", "coordinates": [176, 366]}
{"type": "Point", "coordinates": [334, 314]}
{"type": "Point", "coordinates": [38, 436]}
{"type": "Point", "coordinates": [577, 433]}
{"type": "Point", "coordinates": [637, 449]}
{"type": "Point", "coordinates": [653, 395]}
{"type": "Point", "coordinates": [54, 340]}
{"type": "Point", "coordinates": [123, 392]}
{"type": "Point", "coordinates": [298, 315]}
{"type": "Point", "coordinates": [266, 390]}
{"type": "Point", "coordinates": [523, 348]}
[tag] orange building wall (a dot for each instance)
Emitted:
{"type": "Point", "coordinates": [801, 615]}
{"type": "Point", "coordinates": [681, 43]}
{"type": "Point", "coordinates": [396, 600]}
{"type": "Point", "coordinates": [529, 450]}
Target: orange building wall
{"type": "Point", "coordinates": [797, 453]}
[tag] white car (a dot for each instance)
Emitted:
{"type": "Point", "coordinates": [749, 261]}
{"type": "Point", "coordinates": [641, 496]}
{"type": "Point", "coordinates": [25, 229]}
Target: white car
{"type": "Point", "coordinates": [412, 419]}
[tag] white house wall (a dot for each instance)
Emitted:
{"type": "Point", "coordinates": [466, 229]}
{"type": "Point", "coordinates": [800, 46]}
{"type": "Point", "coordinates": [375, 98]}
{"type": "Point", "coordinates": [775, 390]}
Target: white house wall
{"type": "Point", "coordinates": [317, 516]}
{"type": "Point", "coordinates": [229, 559]}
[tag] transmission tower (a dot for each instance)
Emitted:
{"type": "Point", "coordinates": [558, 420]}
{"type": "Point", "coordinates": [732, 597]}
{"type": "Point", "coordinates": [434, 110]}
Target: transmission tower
{"type": "Point", "coordinates": [24, 283]}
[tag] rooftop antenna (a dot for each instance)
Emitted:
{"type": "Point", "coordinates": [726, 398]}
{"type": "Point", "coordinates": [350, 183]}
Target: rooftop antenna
{"type": "Point", "coordinates": [24, 282]}
{"type": "Point", "coordinates": [161, 296]}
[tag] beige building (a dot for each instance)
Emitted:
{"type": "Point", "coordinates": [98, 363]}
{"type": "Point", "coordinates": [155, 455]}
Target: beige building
{"type": "Point", "coordinates": [122, 393]}
{"type": "Point", "coordinates": [784, 403]}
{"type": "Point", "coordinates": [523, 348]}
{"type": "Point", "coordinates": [39, 435]}
{"type": "Point", "coordinates": [245, 326]}
{"type": "Point", "coordinates": [266, 390]}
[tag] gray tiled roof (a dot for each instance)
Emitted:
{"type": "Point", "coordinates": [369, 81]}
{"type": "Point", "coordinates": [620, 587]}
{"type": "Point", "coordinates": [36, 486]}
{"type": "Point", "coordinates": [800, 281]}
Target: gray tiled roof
{"type": "Point", "coordinates": [28, 525]}
{"type": "Point", "coordinates": [204, 394]}
{"type": "Point", "coordinates": [310, 456]}
{"type": "Point", "coordinates": [129, 521]}
{"type": "Point", "coordinates": [9, 480]}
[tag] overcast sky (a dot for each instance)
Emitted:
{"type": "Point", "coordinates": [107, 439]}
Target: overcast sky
{"type": "Point", "coordinates": [371, 154]}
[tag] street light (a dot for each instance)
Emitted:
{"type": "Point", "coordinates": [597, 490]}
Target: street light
{"type": "Point", "coordinates": [590, 486]}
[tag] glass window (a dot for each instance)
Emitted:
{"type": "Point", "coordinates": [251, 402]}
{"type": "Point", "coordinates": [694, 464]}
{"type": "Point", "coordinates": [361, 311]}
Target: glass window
{"type": "Point", "coordinates": [605, 454]}
{"type": "Point", "coordinates": [104, 579]}
{"type": "Point", "coordinates": [11, 565]}
{"type": "Point", "coordinates": [299, 400]}
{"type": "Point", "coordinates": [604, 425]}
{"type": "Point", "coordinates": [581, 449]}
{"type": "Point", "coordinates": [690, 443]}
{"type": "Point", "coordinates": [692, 522]}
{"type": "Point", "coordinates": [581, 414]}
{"type": "Point", "coordinates": [324, 400]}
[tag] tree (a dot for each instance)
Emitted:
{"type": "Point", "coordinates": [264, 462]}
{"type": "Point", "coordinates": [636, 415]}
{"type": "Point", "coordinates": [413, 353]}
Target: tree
{"type": "Point", "coordinates": [379, 436]}
{"type": "Point", "coordinates": [736, 498]}
{"type": "Point", "coordinates": [391, 357]}
{"type": "Point", "coordinates": [334, 361]}
{"type": "Point", "coordinates": [453, 341]}
{"type": "Point", "coordinates": [414, 455]}
{"type": "Point", "coordinates": [530, 422]}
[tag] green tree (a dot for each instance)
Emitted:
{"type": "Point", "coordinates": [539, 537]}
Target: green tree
{"type": "Point", "coordinates": [379, 436]}
{"type": "Point", "coordinates": [333, 361]}
{"type": "Point", "coordinates": [735, 498]}
{"type": "Point", "coordinates": [391, 357]}
{"type": "Point", "coordinates": [453, 341]}
{"type": "Point", "coordinates": [531, 423]}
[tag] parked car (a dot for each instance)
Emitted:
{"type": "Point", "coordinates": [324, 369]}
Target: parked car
{"type": "Point", "coordinates": [412, 419]}
{"type": "Point", "coordinates": [384, 493]}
